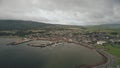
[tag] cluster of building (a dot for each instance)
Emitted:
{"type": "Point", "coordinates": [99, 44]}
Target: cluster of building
{"type": "Point", "coordinates": [98, 38]}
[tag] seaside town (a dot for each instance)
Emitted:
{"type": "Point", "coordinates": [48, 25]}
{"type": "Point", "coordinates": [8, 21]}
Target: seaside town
{"type": "Point", "coordinates": [59, 33]}
{"type": "Point", "coordinates": [91, 40]}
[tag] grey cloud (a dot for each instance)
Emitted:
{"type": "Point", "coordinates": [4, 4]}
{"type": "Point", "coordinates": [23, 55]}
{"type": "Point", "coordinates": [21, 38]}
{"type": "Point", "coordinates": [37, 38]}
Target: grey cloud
{"type": "Point", "coordinates": [79, 12]}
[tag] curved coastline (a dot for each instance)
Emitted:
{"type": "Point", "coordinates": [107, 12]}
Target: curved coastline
{"type": "Point", "coordinates": [108, 59]}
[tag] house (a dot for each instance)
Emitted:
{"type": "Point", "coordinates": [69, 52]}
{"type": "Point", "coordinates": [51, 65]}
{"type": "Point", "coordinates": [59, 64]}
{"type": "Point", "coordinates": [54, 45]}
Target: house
{"type": "Point", "coordinates": [101, 42]}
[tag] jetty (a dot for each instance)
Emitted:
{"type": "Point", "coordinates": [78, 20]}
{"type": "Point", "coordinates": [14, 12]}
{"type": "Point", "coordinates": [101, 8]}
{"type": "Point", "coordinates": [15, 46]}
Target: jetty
{"type": "Point", "coordinates": [19, 42]}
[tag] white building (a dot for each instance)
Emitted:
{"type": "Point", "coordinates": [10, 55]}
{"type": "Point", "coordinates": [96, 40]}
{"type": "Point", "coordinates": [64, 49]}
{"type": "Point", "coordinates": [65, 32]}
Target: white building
{"type": "Point", "coordinates": [101, 42]}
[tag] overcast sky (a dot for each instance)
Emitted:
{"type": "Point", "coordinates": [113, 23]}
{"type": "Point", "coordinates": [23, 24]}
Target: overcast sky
{"type": "Point", "coordinates": [74, 12]}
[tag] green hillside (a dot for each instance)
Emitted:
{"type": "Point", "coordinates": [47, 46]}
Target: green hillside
{"type": "Point", "coordinates": [27, 25]}
{"type": "Point", "coordinates": [21, 25]}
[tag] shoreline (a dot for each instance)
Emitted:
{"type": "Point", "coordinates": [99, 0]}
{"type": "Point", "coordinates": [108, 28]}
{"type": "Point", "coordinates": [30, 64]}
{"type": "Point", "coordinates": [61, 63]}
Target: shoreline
{"type": "Point", "coordinates": [108, 59]}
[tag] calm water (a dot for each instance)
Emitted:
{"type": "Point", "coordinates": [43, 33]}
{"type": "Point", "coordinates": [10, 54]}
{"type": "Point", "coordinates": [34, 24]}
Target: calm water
{"type": "Point", "coordinates": [62, 56]}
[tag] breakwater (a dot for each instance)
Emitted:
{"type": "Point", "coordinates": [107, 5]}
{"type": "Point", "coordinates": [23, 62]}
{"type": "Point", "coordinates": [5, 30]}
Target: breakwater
{"type": "Point", "coordinates": [19, 42]}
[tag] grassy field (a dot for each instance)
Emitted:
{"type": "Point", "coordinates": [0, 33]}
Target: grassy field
{"type": "Point", "coordinates": [115, 51]}
{"type": "Point", "coordinates": [109, 31]}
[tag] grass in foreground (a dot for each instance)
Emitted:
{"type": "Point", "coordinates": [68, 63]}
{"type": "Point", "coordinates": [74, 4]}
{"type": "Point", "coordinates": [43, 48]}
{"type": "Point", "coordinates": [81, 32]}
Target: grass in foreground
{"type": "Point", "coordinates": [115, 51]}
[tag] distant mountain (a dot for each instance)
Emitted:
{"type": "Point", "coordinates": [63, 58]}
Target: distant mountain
{"type": "Point", "coordinates": [115, 26]}
{"type": "Point", "coordinates": [21, 25]}
{"type": "Point", "coordinates": [26, 25]}
{"type": "Point", "coordinates": [107, 26]}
